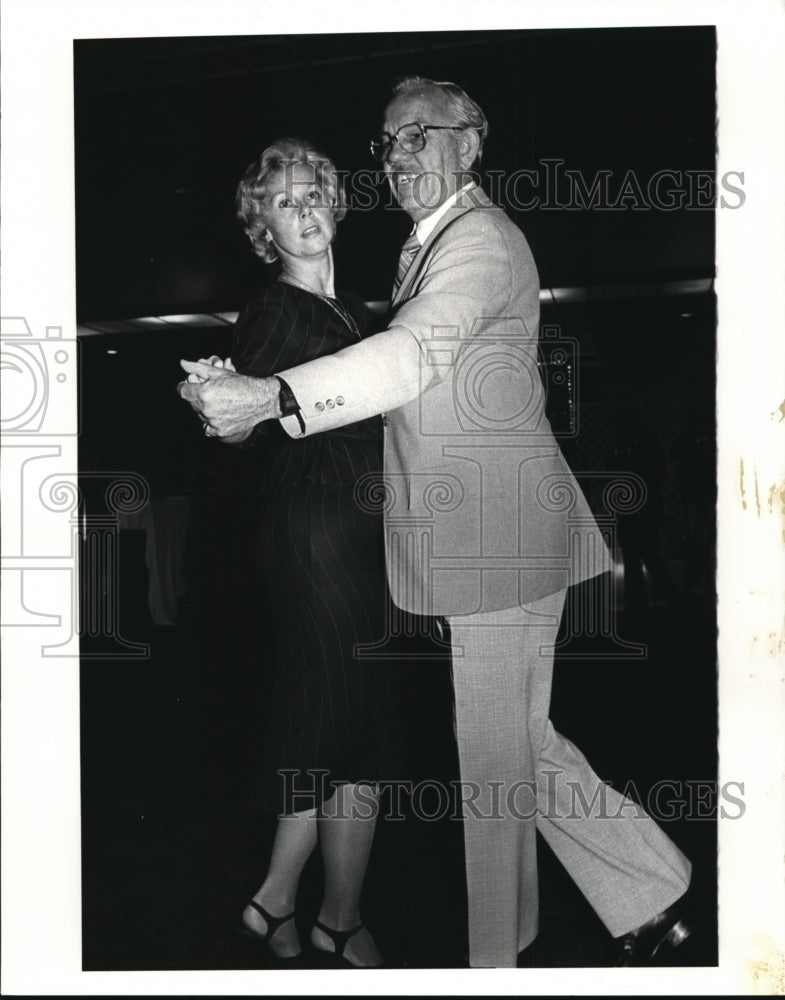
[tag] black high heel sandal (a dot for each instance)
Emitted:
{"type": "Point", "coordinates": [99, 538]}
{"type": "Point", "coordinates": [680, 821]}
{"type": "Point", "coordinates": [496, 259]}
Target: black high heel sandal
{"type": "Point", "coordinates": [340, 939]}
{"type": "Point", "coordinates": [263, 940]}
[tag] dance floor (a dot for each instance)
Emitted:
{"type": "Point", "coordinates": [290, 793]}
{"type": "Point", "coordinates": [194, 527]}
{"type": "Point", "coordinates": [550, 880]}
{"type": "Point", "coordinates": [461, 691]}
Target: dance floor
{"type": "Point", "coordinates": [171, 854]}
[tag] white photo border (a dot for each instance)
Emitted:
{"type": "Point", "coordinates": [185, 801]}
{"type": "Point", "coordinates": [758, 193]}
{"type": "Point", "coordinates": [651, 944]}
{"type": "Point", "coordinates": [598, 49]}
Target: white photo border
{"type": "Point", "coordinates": [40, 735]}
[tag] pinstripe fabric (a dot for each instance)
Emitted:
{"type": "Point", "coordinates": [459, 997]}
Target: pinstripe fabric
{"type": "Point", "coordinates": [322, 587]}
{"type": "Point", "coordinates": [284, 326]}
{"type": "Point", "coordinates": [624, 864]}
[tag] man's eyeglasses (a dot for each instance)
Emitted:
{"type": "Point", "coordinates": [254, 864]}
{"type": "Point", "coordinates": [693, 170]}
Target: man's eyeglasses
{"type": "Point", "coordinates": [411, 138]}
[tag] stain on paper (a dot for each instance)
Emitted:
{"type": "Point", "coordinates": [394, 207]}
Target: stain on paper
{"type": "Point", "coordinates": [741, 484]}
{"type": "Point", "coordinates": [766, 968]}
{"type": "Point", "coordinates": [776, 502]}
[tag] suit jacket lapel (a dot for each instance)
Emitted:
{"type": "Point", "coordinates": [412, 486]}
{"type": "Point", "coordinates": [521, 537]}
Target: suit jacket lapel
{"type": "Point", "coordinates": [468, 201]}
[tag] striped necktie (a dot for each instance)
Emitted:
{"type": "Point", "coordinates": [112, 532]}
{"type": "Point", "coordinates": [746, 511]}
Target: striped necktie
{"type": "Point", "coordinates": [409, 251]}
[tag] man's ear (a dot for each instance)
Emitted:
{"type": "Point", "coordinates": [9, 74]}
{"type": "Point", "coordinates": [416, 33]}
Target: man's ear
{"type": "Point", "coordinates": [469, 145]}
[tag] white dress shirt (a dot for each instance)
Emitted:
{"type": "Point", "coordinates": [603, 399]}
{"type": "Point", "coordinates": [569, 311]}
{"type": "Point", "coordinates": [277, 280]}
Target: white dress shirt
{"type": "Point", "coordinates": [425, 226]}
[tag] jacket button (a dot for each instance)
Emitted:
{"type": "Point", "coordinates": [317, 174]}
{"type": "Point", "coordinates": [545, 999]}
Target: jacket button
{"type": "Point", "coordinates": [320, 407]}
{"type": "Point", "coordinates": [339, 400]}
{"type": "Point", "coordinates": [330, 404]}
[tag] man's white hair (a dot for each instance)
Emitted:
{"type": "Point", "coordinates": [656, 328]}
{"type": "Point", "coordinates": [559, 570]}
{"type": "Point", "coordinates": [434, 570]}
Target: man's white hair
{"type": "Point", "coordinates": [463, 111]}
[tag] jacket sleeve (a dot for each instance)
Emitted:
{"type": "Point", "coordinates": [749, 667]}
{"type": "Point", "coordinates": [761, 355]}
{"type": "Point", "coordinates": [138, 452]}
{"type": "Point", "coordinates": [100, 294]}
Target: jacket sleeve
{"type": "Point", "coordinates": [467, 277]}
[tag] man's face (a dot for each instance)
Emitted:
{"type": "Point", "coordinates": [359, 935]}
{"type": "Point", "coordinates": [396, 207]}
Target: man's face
{"type": "Point", "coordinates": [422, 181]}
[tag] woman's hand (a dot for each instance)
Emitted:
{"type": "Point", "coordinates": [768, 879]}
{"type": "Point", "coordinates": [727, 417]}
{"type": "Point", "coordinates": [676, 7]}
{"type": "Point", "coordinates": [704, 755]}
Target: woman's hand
{"type": "Point", "coordinates": [216, 362]}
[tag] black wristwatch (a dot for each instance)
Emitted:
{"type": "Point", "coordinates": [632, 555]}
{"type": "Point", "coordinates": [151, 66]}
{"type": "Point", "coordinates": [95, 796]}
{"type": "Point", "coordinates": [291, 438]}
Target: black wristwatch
{"type": "Point", "coordinates": [288, 403]}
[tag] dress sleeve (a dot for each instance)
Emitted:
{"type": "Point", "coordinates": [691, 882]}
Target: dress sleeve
{"type": "Point", "coordinates": [268, 334]}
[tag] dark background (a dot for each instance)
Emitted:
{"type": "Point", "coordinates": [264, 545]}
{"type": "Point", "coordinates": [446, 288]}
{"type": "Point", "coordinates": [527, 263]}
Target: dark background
{"type": "Point", "coordinates": [164, 127]}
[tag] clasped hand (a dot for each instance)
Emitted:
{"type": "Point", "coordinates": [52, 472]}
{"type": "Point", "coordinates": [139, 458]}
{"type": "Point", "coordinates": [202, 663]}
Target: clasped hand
{"type": "Point", "coordinates": [226, 402]}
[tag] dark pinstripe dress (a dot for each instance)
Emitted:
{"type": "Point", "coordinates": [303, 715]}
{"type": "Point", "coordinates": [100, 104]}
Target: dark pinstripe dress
{"type": "Point", "coordinates": [326, 715]}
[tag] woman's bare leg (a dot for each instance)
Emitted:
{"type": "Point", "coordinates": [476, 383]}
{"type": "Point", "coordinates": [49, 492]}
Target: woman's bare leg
{"type": "Point", "coordinates": [346, 829]}
{"type": "Point", "coordinates": [295, 839]}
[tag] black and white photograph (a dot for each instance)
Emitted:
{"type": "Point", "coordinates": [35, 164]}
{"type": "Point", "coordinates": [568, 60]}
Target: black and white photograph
{"type": "Point", "coordinates": [379, 448]}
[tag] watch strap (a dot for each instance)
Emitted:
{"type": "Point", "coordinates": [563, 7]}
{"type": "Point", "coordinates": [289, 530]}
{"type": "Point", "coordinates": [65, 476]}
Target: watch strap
{"type": "Point", "coordinates": [288, 402]}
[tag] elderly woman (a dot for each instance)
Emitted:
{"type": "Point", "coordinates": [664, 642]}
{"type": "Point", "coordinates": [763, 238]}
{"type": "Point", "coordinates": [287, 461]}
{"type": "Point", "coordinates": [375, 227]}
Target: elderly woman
{"type": "Point", "coordinates": [320, 555]}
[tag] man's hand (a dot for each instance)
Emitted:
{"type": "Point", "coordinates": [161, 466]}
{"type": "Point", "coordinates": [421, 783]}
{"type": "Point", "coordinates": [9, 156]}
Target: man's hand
{"type": "Point", "coordinates": [229, 404]}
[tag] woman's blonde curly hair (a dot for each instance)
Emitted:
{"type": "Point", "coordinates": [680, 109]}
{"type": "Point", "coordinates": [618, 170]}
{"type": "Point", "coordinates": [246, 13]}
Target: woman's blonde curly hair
{"type": "Point", "coordinates": [252, 189]}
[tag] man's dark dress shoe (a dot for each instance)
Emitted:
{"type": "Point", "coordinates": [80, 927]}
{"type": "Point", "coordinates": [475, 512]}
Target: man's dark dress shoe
{"type": "Point", "coordinates": [653, 942]}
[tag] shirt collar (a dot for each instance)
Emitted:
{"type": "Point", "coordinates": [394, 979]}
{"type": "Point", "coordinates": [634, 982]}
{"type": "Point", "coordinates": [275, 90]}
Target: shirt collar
{"type": "Point", "coordinates": [426, 226]}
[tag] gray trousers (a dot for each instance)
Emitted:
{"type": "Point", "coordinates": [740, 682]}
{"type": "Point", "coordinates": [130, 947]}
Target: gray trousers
{"type": "Point", "coordinates": [519, 776]}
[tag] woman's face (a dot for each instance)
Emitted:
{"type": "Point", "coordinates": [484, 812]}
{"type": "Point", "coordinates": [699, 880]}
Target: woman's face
{"type": "Point", "coordinates": [297, 216]}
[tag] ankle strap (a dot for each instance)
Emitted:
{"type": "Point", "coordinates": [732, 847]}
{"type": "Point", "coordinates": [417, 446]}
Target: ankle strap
{"type": "Point", "coordinates": [339, 938]}
{"type": "Point", "coordinates": [273, 923]}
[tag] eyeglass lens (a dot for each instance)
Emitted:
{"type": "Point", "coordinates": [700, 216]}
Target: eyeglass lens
{"type": "Point", "coordinates": [411, 139]}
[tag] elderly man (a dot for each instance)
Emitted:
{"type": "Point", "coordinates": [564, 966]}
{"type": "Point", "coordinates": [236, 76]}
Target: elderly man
{"type": "Point", "coordinates": [486, 528]}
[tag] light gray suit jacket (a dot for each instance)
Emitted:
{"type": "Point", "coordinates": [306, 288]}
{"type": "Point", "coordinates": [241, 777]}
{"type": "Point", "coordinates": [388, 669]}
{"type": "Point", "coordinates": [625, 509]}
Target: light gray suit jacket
{"type": "Point", "coordinates": [481, 511]}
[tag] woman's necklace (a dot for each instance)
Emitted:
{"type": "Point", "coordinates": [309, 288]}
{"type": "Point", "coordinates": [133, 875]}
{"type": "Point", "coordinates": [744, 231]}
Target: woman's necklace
{"type": "Point", "coordinates": [335, 304]}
